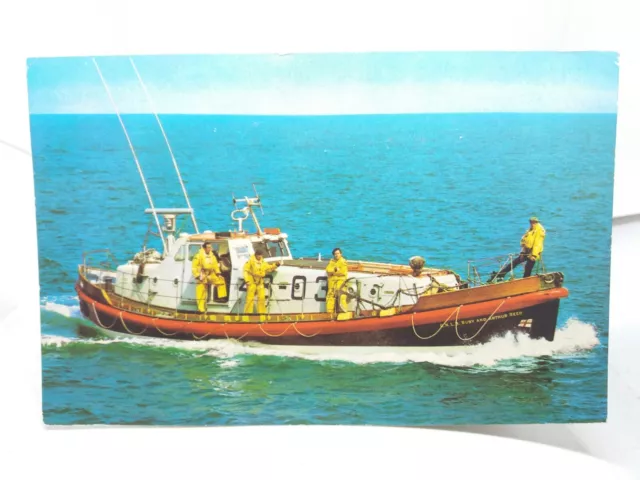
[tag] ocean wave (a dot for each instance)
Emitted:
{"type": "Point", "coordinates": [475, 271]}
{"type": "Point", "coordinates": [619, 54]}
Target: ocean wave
{"type": "Point", "coordinates": [185, 345]}
{"type": "Point", "coordinates": [57, 341]}
{"type": "Point", "coordinates": [574, 338]}
{"type": "Point", "coordinates": [65, 306]}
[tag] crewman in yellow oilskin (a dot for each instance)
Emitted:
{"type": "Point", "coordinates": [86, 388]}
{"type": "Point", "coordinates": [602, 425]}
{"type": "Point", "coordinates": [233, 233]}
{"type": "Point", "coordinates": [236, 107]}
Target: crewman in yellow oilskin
{"type": "Point", "coordinates": [532, 244]}
{"type": "Point", "coordinates": [206, 271]}
{"type": "Point", "coordinates": [255, 270]}
{"type": "Point", "coordinates": [337, 273]}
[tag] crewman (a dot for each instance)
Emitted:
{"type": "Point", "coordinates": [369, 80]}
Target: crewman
{"type": "Point", "coordinates": [532, 244]}
{"type": "Point", "coordinates": [337, 275]}
{"type": "Point", "coordinates": [254, 272]}
{"type": "Point", "coordinates": [206, 271]}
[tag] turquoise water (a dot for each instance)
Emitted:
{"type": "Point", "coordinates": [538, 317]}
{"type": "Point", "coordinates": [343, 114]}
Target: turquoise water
{"type": "Point", "coordinates": [448, 187]}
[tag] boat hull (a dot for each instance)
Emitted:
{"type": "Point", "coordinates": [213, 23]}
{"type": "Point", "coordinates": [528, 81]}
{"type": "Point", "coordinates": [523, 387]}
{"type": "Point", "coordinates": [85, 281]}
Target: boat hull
{"type": "Point", "coordinates": [534, 314]}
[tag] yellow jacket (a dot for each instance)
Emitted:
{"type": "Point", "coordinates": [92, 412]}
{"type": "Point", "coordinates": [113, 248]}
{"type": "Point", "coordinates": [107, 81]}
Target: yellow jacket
{"type": "Point", "coordinates": [254, 271]}
{"type": "Point", "coordinates": [532, 241]}
{"type": "Point", "coordinates": [337, 268]}
{"type": "Point", "coordinates": [202, 261]}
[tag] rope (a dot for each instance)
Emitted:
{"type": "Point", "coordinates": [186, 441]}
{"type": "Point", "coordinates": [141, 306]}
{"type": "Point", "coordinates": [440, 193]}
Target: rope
{"type": "Point", "coordinates": [202, 337]}
{"type": "Point", "coordinates": [239, 338]}
{"type": "Point", "coordinates": [483, 325]}
{"type": "Point", "coordinates": [144, 182]}
{"type": "Point", "coordinates": [175, 164]}
{"type": "Point", "coordinates": [300, 333]}
{"type": "Point", "coordinates": [163, 333]}
{"type": "Point", "coordinates": [98, 319]}
{"type": "Point", "coordinates": [279, 335]}
{"type": "Point", "coordinates": [456, 311]}
{"type": "Point", "coordinates": [127, 328]}
{"type": "Point", "coordinates": [206, 334]}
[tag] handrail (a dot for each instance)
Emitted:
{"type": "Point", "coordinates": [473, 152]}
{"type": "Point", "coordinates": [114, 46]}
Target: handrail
{"type": "Point", "coordinates": [109, 255]}
{"type": "Point", "coordinates": [486, 266]}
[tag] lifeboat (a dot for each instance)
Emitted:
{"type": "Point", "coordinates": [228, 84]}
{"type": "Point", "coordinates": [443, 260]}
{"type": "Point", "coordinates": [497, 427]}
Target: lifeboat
{"type": "Point", "coordinates": [387, 305]}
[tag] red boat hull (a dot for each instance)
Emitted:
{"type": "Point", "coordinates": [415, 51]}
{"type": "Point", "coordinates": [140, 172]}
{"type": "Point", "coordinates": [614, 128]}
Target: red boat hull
{"type": "Point", "coordinates": [534, 313]}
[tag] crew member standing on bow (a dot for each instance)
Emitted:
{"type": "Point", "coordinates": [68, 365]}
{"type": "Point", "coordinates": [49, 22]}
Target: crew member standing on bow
{"type": "Point", "coordinates": [532, 244]}
{"type": "Point", "coordinates": [337, 273]}
{"type": "Point", "coordinates": [206, 271]}
{"type": "Point", "coordinates": [254, 272]}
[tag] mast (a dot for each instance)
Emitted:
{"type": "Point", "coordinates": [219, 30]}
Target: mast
{"type": "Point", "coordinates": [250, 202]}
{"type": "Point", "coordinates": [175, 164]}
{"type": "Point", "coordinates": [144, 182]}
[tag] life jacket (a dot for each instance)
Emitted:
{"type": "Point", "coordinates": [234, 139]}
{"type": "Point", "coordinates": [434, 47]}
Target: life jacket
{"type": "Point", "coordinates": [205, 262]}
{"type": "Point", "coordinates": [255, 271]}
{"type": "Point", "coordinates": [532, 241]}
{"type": "Point", "coordinates": [340, 265]}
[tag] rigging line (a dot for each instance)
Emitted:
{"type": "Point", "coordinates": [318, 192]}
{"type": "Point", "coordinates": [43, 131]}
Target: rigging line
{"type": "Point", "coordinates": [175, 164]}
{"type": "Point", "coordinates": [144, 182]}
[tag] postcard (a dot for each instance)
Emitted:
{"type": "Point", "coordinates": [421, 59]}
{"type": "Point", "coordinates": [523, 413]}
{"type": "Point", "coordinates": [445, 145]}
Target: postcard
{"type": "Point", "coordinates": [399, 239]}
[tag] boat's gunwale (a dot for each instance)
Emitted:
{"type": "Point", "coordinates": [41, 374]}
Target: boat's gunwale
{"type": "Point", "coordinates": [240, 328]}
{"type": "Point", "coordinates": [443, 300]}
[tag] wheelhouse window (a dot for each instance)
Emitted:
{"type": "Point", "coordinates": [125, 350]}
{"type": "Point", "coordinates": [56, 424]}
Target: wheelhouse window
{"type": "Point", "coordinates": [273, 248]}
{"type": "Point", "coordinates": [193, 250]}
{"type": "Point", "coordinates": [179, 257]}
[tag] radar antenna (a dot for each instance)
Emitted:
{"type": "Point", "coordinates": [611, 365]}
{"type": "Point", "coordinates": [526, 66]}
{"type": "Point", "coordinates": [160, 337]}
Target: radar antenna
{"type": "Point", "coordinates": [241, 214]}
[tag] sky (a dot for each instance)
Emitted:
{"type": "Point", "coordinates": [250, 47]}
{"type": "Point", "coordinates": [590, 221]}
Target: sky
{"type": "Point", "coordinates": [329, 84]}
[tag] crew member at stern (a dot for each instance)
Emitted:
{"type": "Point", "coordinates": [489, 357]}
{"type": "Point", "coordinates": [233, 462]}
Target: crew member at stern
{"type": "Point", "coordinates": [206, 271]}
{"type": "Point", "coordinates": [337, 273]}
{"type": "Point", "coordinates": [532, 244]}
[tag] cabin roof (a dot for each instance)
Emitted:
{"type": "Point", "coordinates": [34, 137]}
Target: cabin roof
{"type": "Point", "coordinates": [201, 237]}
{"type": "Point", "coordinates": [218, 236]}
{"type": "Point", "coordinates": [212, 236]}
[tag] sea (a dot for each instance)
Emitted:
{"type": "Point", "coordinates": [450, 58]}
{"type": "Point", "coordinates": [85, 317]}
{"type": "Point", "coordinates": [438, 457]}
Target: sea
{"type": "Point", "coordinates": [452, 188]}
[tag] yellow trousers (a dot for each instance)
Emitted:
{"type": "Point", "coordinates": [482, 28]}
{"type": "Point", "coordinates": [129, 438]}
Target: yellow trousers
{"type": "Point", "coordinates": [333, 285]}
{"type": "Point", "coordinates": [252, 289]}
{"type": "Point", "coordinates": [202, 289]}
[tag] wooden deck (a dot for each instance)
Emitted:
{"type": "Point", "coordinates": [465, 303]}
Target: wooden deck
{"type": "Point", "coordinates": [366, 267]}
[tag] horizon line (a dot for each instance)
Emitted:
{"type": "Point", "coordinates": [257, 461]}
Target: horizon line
{"type": "Point", "coordinates": [615, 112]}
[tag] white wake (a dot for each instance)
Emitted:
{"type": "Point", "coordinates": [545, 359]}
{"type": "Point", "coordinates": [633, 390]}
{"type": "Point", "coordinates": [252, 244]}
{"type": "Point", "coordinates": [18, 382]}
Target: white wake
{"type": "Point", "coordinates": [573, 338]}
{"type": "Point", "coordinates": [66, 306]}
